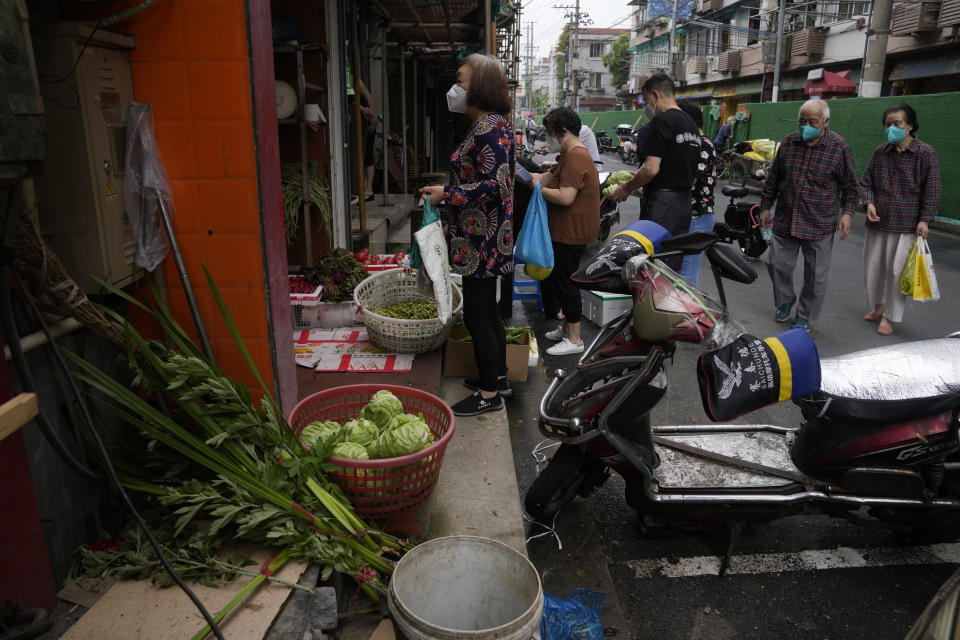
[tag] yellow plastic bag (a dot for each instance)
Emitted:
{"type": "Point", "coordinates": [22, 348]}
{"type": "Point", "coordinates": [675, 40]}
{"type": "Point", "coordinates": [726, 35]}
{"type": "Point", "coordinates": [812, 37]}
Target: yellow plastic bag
{"type": "Point", "coordinates": [925, 287]}
{"type": "Point", "coordinates": [909, 274]}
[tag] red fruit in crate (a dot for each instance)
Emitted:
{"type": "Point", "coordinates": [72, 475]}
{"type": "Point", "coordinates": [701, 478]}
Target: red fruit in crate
{"type": "Point", "coordinates": [389, 260]}
{"type": "Point", "coordinates": [398, 257]}
{"type": "Point", "coordinates": [375, 259]}
{"type": "Point", "coordinates": [362, 255]}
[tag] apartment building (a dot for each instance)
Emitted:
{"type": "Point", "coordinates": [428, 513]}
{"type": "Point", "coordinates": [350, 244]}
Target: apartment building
{"type": "Point", "coordinates": [589, 74]}
{"type": "Point", "coordinates": [727, 49]}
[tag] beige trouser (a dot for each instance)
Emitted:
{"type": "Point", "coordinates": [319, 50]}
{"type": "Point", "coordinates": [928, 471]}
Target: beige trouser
{"type": "Point", "coordinates": [884, 254]}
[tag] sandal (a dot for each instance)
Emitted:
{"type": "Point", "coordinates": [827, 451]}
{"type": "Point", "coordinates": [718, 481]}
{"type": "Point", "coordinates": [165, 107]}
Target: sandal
{"type": "Point", "coordinates": [872, 316]}
{"type": "Point", "coordinates": [885, 329]}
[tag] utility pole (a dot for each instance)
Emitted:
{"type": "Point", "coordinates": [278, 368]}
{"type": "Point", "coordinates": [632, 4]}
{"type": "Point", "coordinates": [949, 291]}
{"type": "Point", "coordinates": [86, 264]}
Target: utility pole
{"type": "Point", "coordinates": [573, 44]}
{"type": "Point", "coordinates": [781, 19]}
{"type": "Point", "coordinates": [528, 91]}
{"type": "Point", "coordinates": [674, 52]}
{"type": "Point", "coordinates": [575, 53]}
{"type": "Point", "coordinates": [871, 78]}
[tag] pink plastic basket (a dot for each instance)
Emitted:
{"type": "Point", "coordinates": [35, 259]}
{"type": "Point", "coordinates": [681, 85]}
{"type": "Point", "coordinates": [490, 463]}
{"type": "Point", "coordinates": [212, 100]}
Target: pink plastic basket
{"type": "Point", "coordinates": [379, 488]}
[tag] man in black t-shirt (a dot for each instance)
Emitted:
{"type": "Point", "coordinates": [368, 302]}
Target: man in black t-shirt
{"type": "Point", "coordinates": [672, 148]}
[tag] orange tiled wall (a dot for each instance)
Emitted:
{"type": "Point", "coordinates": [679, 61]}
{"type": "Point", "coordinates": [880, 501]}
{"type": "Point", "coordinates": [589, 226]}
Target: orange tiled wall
{"type": "Point", "coordinates": [191, 64]}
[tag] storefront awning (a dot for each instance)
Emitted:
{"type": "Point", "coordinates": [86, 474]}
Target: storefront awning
{"type": "Point", "coordinates": [598, 102]}
{"type": "Point", "coordinates": [748, 87]}
{"type": "Point", "coordinates": [694, 96]}
{"type": "Point", "coordinates": [696, 91]}
{"type": "Point", "coordinates": [831, 83]}
{"type": "Point", "coordinates": [724, 90]}
{"type": "Point", "coordinates": [926, 67]}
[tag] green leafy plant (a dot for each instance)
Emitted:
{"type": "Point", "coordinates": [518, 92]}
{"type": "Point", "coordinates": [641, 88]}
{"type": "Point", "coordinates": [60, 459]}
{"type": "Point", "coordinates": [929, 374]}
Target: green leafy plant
{"type": "Point", "coordinates": [292, 191]}
{"type": "Point", "coordinates": [240, 465]}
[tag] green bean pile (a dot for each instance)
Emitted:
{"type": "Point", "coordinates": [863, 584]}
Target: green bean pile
{"type": "Point", "coordinates": [417, 310]}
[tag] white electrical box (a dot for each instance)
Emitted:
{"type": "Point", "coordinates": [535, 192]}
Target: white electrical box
{"type": "Point", "coordinates": [80, 191]}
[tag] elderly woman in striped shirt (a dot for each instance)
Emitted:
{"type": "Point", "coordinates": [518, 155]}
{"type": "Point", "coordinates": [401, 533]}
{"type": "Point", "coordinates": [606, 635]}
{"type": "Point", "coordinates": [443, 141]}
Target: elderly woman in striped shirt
{"type": "Point", "coordinates": [901, 190]}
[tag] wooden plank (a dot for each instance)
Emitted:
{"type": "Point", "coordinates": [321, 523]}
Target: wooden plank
{"type": "Point", "coordinates": [17, 412]}
{"type": "Point", "coordinates": [138, 610]}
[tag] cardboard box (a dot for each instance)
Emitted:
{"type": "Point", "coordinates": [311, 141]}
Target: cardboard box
{"type": "Point", "coordinates": [458, 360]}
{"type": "Point", "coordinates": [600, 308]}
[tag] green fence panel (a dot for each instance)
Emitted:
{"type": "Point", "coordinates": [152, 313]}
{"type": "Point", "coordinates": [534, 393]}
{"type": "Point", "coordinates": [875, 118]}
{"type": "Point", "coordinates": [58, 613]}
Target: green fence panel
{"type": "Point", "coordinates": [608, 120]}
{"type": "Point", "coordinates": [858, 121]}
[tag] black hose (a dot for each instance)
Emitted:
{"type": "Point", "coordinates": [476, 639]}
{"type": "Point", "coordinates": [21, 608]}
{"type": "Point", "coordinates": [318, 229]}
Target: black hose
{"type": "Point", "coordinates": [6, 264]}
{"type": "Point", "coordinates": [9, 326]}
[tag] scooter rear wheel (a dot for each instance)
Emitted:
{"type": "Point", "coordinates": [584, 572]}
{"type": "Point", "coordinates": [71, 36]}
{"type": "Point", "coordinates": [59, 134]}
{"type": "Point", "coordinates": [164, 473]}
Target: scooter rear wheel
{"type": "Point", "coordinates": [570, 473]}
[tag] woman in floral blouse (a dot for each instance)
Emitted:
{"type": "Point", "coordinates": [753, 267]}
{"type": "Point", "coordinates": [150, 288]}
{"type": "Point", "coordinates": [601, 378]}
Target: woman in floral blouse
{"type": "Point", "coordinates": [478, 219]}
{"type": "Point", "coordinates": [702, 193]}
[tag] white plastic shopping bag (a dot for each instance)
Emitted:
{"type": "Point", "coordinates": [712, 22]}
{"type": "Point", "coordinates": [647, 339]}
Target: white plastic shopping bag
{"type": "Point", "coordinates": [433, 277]}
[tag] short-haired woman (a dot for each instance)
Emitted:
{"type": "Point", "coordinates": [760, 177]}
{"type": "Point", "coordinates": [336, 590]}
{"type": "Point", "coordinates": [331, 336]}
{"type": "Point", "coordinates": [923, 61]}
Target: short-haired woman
{"type": "Point", "coordinates": [901, 190]}
{"type": "Point", "coordinates": [478, 218]}
{"type": "Point", "coordinates": [572, 191]}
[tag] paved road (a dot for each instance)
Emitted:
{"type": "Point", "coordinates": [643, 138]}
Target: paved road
{"type": "Point", "coordinates": [800, 577]}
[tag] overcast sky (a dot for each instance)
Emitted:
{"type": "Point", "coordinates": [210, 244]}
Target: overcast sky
{"type": "Point", "coordinates": [548, 22]}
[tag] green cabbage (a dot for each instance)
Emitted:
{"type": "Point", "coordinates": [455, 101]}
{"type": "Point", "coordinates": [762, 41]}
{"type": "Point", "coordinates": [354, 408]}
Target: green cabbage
{"type": "Point", "coordinates": [404, 418]}
{"type": "Point", "coordinates": [362, 431]}
{"type": "Point", "coordinates": [350, 450]}
{"type": "Point", "coordinates": [613, 181]}
{"type": "Point", "coordinates": [382, 408]}
{"type": "Point", "coordinates": [320, 434]}
{"type": "Point", "coordinates": [403, 439]}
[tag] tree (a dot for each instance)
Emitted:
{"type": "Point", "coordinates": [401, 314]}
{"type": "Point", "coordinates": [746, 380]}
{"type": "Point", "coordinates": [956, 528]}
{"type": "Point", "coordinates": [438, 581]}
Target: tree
{"type": "Point", "coordinates": [618, 60]}
{"type": "Point", "coordinates": [541, 99]}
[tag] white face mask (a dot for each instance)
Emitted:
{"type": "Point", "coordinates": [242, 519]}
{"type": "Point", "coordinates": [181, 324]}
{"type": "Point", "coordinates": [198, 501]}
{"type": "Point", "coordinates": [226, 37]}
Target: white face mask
{"type": "Point", "coordinates": [649, 111]}
{"type": "Point", "coordinates": [457, 99]}
{"type": "Point", "coordinates": [553, 145]}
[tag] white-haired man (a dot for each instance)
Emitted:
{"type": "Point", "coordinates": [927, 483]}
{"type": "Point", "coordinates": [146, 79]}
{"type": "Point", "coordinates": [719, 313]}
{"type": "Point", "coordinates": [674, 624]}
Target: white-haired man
{"type": "Point", "coordinates": [814, 183]}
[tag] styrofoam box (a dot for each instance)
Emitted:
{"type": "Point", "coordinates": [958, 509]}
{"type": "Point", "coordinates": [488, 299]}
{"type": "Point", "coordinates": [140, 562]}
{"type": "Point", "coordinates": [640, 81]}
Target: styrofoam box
{"type": "Point", "coordinates": [600, 308]}
{"type": "Point", "coordinates": [326, 315]}
{"type": "Point", "coordinates": [306, 299]}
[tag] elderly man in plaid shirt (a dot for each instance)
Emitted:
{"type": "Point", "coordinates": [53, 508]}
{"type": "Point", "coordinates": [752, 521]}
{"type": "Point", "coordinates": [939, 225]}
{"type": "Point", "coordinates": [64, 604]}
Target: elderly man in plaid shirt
{"type": "Point", "coordinates": [815, 185]}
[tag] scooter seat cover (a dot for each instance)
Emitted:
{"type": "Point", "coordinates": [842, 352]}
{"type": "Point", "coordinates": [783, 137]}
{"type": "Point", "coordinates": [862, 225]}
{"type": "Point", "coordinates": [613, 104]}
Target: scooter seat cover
{"type": "Point", "coordinates": [920, 369]}
{"type": "Point", "coordinates": [890, 383]}
{"type": "Point", "coordinates": [602, 273]}
{"type": "Point", "coordinates": [749, 373]}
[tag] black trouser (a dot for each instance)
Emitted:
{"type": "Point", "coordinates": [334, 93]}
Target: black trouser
{"type": "Point", "coordinates": [482, 317]}
{"type": "Point", "coordinates": [558, 290]}
{"type": "Point", "coordinates": [671, 210]}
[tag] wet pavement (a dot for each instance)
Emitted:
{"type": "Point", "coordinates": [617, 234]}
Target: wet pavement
{"type": "Point", "coordinates": [789, 583]}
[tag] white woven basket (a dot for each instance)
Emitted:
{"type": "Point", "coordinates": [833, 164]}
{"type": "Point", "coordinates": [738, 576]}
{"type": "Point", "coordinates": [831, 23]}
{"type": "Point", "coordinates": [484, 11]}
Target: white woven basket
{"type": "Point", "coordinates": [397, 335]}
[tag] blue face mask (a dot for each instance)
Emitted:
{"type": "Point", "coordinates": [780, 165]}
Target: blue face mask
{"type": "Point", "coordinates": [808, 133]}
{"type": "Point", "coordinates": [895, 134]}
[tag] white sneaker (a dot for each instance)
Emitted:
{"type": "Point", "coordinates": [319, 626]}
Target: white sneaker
{"type": "Point", "coordinates": [554, 334]}
{"type": "Point", "coordinates": [565, 347]}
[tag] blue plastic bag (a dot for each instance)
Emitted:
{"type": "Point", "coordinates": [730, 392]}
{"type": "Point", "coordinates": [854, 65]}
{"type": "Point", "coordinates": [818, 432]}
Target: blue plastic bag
{"type": "Point", "coordinates": [576, 618]}
{"type": "Point", "coordinates": [533, 244]}
{"type": "Point", "coordinates": [430, 215]}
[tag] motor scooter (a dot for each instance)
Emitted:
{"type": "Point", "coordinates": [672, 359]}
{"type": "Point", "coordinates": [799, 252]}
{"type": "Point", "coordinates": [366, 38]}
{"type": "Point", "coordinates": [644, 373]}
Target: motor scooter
{"type": "Point", "coordinates": [744, 217]}
{"type": "Point", "coordinates": [627, 147]}
{"type": "Point", "coordinates": [877, 443]}
{"type": "Point", "coordinates": [604, 144]}
{"type": "Point", "coordinates": [609, 209]}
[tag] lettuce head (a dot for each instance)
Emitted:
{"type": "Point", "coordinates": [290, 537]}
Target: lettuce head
{"type": "Point", "coordinates": [320, 435]}
{"type": "Point", "coordinates": [382, 408]}
{"type": "Point", "coordinates": [350, 450]}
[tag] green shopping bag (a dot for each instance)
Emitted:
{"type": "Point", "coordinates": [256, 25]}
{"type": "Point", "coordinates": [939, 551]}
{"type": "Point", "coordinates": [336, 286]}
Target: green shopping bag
{"type": "Point", "coordinates": [430, 215]}
{"type": "Point", "coordinates": [909, 274]}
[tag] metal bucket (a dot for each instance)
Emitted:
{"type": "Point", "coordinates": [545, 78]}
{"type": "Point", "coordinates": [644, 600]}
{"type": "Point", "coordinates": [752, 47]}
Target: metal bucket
{"type": "Point", "coordinates": [465, 587]}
